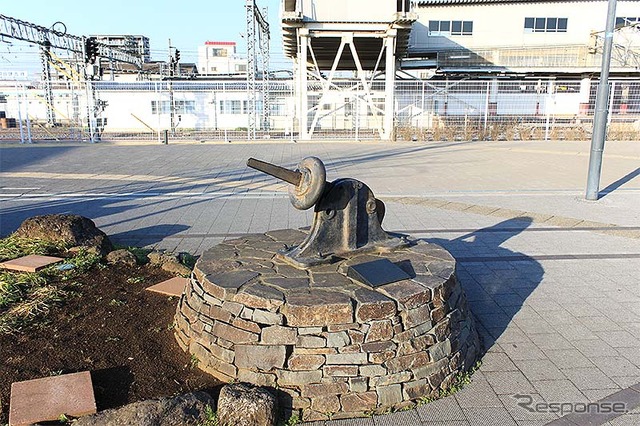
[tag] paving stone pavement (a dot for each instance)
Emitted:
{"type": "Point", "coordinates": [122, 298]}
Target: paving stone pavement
{"type": "Point", "coordinates": [551, 278]}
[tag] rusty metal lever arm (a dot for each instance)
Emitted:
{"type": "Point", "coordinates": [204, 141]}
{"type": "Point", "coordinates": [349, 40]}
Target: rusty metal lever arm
{"type": "Point", "coordinates": [292, 176]}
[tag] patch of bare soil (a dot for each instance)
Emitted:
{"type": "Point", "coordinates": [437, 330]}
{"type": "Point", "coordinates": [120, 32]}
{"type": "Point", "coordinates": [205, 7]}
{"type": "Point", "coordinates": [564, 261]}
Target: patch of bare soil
{"type": "Point", "coordinates": [113, 328]}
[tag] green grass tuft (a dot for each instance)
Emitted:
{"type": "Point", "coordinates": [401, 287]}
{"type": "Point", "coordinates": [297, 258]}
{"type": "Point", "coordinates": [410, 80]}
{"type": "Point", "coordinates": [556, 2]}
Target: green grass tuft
{"type": "Point", "coordinates": [211, 417]}
{"type": "Point", "coordinates": [26, 298]}
{"type": "Point", "coordinates": [188, 260]}
{"type": "Point", "coordinates": [293, 420]}
{"type": "Point", "coordinates": [12, 247]}
{"type": "Point", "coordinates": [140, 254]}
{"type": "Point", "coordinates": [461, 380]}
{"type": "Point", "coordinates": [83, 261]}
{"type": "Point", "coordinates": [193, 361]}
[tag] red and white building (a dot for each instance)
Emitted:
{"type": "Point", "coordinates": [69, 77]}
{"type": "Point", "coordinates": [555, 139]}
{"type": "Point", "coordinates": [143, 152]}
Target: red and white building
{"type": "Point", "coordinates": [220, 57]}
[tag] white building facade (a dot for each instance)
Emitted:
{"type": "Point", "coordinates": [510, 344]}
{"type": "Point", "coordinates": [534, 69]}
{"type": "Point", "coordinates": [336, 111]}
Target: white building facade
{"type": "Point", "coordinates": [527, 36]}
{"type": "Point", "coordinates": [136, 44]}
{"type": "Point", "coordinates": [220, 57]}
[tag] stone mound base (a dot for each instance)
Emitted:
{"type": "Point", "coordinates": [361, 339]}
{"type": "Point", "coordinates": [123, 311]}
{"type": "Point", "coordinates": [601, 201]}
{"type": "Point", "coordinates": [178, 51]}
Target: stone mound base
{"type": "Point", "coordinates": [333, 347]}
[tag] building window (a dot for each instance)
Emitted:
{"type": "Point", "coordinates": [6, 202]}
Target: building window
{"type": "Point", "coordinates": [403, 6]}
{"type": "Point", "coordinates": [545, 25]}
{"type": "Point", "coordinates": [160, 107]}
{"type": "Point", "coordinates": [217, 52]}
{"type": "Point", "coordinates": [279, 106]}
{"type": "Point", "coordinates": [185, 107]}
{"type": "Point", "coordinates": [231, 107]}
{"type": "Point", "coordinates": [179, 107]}
{"type": "Point", "coordinates": [377, 108]}
{"type": "Point", "coordinates": [241, 68]}
{"type": "Point", "coordinates": [446, 28]}
{"type": "Point", "coordinates": [625, 21]}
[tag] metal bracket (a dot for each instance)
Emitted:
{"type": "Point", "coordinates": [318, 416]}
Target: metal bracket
{"type": "Point", "coordinates": [347, 219]}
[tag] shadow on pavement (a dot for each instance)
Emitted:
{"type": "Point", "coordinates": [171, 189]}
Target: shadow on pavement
{"type": "Point", "coordinates": [617, 184]}
{"type": "Point", "coordinates": [121, 211]}
{"type": "Point", "coordinates": [496, 280]}
{"type": "Point", "coordinates": [147, 236]}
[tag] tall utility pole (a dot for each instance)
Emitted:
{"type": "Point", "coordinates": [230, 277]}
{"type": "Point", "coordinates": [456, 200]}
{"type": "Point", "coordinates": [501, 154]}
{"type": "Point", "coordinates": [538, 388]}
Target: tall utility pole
{"type": "Point", "coordinates": [265, 39]}
{"type": "Point", "coordinates": [172, 112]}
{"type": "Point", "coordinates": [45, 58]}
{"type": "Point", "coordinates": [600, 116]}
{"type": "Point", "coordinates": [251, 69]}
{"type": "Point", "coordinates": [257, 19]}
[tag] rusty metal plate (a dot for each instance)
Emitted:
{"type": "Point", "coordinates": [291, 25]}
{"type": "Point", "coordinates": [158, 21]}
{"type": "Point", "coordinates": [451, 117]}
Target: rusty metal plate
{"type": "Point", "coordinates": [377, 273]}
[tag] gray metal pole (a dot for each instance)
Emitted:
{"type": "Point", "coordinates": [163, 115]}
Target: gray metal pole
{"type": "Point", "coordinates": [18, 98]}
{"type": "Point", "coordinates": [600, 116]}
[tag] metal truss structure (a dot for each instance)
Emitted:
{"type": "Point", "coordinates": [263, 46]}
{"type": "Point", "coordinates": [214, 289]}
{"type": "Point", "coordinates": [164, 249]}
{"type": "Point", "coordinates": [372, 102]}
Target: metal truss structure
{"type": "Point", "coordinates": [325, 43]}
{"type": "Point", "coordinates": [625, 50]}
{"type": "Point", "coordinates": [26, 31]}
{"type": "Point", "coordinates": [50, 38]}
{"type": "Point", "coordinates": [257, 40]}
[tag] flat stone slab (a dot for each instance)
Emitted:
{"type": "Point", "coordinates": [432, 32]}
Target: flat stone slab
{"type": "Point", "coordinates": [377, 273]}
{"type": "Point", "coordinates": [30, 263]}
{"type": "Point", "coordinates": [45, 399]}
{"type": "Point", "coordinates": [171, 287]}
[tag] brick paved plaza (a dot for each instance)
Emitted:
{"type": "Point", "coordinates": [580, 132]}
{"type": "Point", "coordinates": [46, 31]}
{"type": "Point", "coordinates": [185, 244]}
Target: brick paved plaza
{"type": "Point", "coordinates": [553, 280]}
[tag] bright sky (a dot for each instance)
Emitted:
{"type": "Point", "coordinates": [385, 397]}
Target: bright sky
{"type": "Point", "coordinates": [188, 24]}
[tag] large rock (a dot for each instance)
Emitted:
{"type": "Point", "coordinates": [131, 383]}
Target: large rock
{"type": "Point", "coordinates": [169, 263]}
{"type": "Point", "coordinates": [189, 409]}
{"type": "Point", "coordinates": [241, 404]}
{"type": "Point", "coordinates": [121, 257]}
{"type": "Point", "coordinates": [71, 229]}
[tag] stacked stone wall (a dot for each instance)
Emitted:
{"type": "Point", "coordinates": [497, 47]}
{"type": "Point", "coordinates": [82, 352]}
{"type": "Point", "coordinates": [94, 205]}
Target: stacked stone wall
{"type": "Point", "coordinates": [332, 347]}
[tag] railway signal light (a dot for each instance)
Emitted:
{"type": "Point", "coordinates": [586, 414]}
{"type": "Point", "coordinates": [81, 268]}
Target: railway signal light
{"type": "Point", "coordinates": [90, 49]}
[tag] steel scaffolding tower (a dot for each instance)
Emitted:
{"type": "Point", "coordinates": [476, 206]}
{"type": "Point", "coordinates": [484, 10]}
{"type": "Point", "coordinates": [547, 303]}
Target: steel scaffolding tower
{"type": "Point", "coordinates": [49, 38]}
{"type": "Point", "coordinates": [255, 18]}
{"type": "Point", "coordinates": [265, 39]}
{"type": "Point", "coordinates": [45, 58]}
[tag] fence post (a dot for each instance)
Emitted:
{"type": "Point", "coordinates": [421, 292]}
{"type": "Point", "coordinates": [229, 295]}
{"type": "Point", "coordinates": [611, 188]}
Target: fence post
{"type": "Point", "coordinates": [19, 112]}
{"type": "Point", "coordinates": [223, 107]}
{"type": "Point", "coordinates": [26, 112]}
{"type": "Point", "coordinates": [612, 95]}
{"type": "Point", "coordinates": [90, 106]}
{"type": "Point", "coordinates": [422, 117]}
{"type": "Point", "coordinates": [172, 111]}
{"type": "Point", "coordinates": [357, 112]}
{"type": "Point", "coordinates": [547, 110]}
{"type": "Point", "coordinates": [486, 106]}
{"type": "Point", "coordinates": [158, 108]}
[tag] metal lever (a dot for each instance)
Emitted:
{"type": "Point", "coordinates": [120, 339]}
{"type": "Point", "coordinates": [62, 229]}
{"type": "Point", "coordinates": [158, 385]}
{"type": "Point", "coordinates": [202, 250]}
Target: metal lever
{"type": "Point", "coordinates": [291, 176]}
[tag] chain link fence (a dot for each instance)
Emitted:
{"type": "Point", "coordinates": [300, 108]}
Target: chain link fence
{"type": "Point", "coordinates": [439, 110]}
{"type": "Point", "coordinates": [513, 110]}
